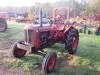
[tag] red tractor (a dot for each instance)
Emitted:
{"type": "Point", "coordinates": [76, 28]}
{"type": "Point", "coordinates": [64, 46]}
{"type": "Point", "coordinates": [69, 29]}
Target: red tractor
{"type": "Point", "coordinates": [39, 37]}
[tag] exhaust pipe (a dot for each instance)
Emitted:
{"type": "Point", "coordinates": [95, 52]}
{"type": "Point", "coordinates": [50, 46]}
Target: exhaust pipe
{"type": "Point", "coordinates": [40, 17]}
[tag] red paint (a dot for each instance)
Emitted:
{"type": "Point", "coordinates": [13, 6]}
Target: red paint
{"type": "Point", "coordinates": [75, 41]}
{"type": "Point", "coordinates": [52, 62]}
{"type": "Point", "coordinates": [36, 40]}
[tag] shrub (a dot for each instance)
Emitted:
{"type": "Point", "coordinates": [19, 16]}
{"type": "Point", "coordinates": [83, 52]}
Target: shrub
{"type": "Point", "coordinates": [98, 31]}
{"type": "Point", "coordinates": [89, 32]}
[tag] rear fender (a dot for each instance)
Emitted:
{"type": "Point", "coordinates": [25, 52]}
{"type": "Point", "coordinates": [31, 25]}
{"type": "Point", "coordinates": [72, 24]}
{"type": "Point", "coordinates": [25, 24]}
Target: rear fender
{"type": "Point", "coordinates": [67, 28]}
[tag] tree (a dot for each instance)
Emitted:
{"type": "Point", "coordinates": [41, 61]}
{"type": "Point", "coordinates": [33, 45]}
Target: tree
{"type": "Point", "coordinates": [94, 6]}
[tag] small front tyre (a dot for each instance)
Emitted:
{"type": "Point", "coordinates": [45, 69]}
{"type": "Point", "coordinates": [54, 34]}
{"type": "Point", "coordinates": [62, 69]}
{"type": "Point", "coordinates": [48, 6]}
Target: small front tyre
{"type": "Point", "coordinates": [49, 62]}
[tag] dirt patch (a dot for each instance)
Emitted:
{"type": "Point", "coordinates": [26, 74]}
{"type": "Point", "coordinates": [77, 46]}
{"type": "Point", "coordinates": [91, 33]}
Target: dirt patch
{"type": "Point", "coordinates": [6, 43]}
{"type": "Point", "coordinates": [4, 70]}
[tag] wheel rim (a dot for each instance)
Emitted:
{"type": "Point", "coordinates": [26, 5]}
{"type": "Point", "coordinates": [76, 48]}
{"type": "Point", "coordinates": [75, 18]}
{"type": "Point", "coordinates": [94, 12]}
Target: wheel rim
{"type": "Point", "coordinates": [75, 41]}
{"type": "Point", "coordinates": [52, 63]}
{"type": "Point", "coordinates": [19, 52]}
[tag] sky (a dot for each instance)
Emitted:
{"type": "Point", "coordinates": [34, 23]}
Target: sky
{"type": "Point", "coordinates": [21, 3]}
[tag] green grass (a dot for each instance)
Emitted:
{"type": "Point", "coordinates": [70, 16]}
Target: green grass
{"type": "Point", "coordinates": [86, 61]}
{"type": "Point", "coordinates": [14, 31]}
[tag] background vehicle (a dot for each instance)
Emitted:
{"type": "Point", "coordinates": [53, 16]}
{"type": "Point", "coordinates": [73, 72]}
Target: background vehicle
{"type": "Point", "coordinates": [3, 23]}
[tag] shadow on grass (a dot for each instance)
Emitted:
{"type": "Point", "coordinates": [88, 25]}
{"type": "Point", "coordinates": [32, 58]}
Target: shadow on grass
{"type": "Point", "coordinates": [34, 61]}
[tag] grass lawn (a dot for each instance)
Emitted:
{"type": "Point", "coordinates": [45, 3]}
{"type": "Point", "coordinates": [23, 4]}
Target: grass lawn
{"type": "Point", "coordinates": [86, 61]}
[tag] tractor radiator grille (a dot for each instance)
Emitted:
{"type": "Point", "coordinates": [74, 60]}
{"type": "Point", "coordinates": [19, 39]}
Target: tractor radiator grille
{"type": "Point", "coordinates": [29, 36]}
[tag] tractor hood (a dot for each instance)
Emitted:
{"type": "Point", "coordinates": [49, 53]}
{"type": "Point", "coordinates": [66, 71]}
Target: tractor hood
{"type": "Point", "coordinates": [36, 27]}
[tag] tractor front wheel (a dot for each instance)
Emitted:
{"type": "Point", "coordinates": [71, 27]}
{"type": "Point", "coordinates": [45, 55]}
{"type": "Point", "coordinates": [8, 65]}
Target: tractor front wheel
{"type": "Point", "coordinates": [17, 52]}
{"type": "Point", "coordinates": [49, 62]}
{"type": "Point", "coordinates": [71, 41]}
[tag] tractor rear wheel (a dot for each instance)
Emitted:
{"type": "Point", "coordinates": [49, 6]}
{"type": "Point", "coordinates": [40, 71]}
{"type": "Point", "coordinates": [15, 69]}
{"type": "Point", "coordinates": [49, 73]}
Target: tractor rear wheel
{"type": "Point", "coordinates": [3, 25]}
{"type": "Point", "coordinates": [49, 62]}
{"type": "Point", "coordinates": [71, 42]}
{"type": "Point", "coordinates": [17, 52]}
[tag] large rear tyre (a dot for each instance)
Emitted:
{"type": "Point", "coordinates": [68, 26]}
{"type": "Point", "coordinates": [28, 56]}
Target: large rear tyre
{"type": "Point", "coordinates": [49, 62]}
{"type": "Point", "coordinates": [17, 52]}
{"type": "Point", "coordinates": [3, 25]}
{"type": "Point", "coordinates": [71, 41]}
